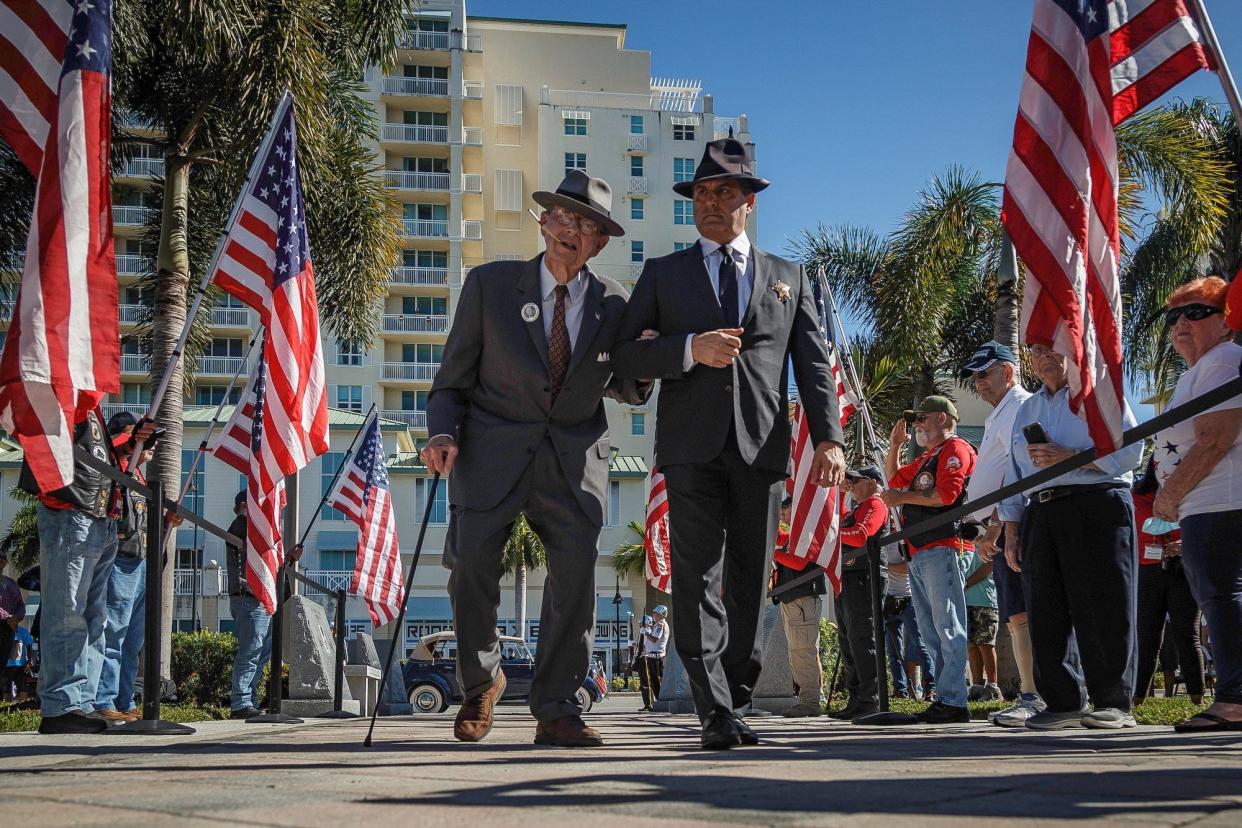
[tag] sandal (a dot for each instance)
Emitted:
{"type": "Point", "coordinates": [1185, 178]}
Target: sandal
{"type": "Point", "coordinates": [1219, 723]}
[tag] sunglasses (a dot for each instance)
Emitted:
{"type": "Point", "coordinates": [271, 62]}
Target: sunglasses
{"type": "Point", "coordinates": [918, 418]}
{"type": "Point", "coordinates": [1193, 312]}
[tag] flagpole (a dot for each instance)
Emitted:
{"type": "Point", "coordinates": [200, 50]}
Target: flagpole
{"type": "Point", "coordinates": [1227, 82]}
{"type": "Point", "coordinates": [850, 368]}
{"type": "Point", "coordinates": [344, 462]}
{"type": "Point", "coordinates": [157, 397]}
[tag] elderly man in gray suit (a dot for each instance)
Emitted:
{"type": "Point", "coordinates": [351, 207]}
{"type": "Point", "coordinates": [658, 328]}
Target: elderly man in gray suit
{"type": "Point", "coordinates": [518, 419]}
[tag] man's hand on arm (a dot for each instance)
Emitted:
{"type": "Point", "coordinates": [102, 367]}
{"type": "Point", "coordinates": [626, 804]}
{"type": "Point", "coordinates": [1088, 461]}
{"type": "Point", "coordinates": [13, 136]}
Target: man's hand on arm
{"type": "Point", "coordinates": [828, 465]}
{"type": "Point", "coordinates": [439, 454]}
{"type": "Point", "coordinates": [1013, 547]}
{"type": "Point", "coordinates": [716, 349]}
{"type": "Point", "coordinates": [988, 546]}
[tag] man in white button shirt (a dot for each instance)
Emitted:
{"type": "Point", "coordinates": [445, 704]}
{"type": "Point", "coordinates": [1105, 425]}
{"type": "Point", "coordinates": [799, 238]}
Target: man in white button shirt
{"type": "Point", "coordinates": [994, 371]}
{"type": "Point", "coordinates": [651, 661]}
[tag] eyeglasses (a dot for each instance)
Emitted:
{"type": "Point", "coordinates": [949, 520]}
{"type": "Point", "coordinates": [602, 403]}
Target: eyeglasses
{"type": "Point", "coordinates": [1193, 312]}
{"type": "Point", "coordinates": [567, 218]}
{"type": "Point", "coordinates": [918, 418]}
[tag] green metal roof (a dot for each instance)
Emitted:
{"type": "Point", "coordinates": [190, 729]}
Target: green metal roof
{"type": "Point", "coordinates": [200, 415]}
{"type": "Point", "coordinates": [622, 466]}
{"type": "Point", "coordinates": [971, 434]}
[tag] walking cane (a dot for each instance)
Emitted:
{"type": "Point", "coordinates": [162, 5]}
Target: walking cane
{"type": "Point", "coordinates": [405, 596]}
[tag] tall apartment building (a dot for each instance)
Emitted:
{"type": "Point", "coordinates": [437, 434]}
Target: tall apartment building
{"type": "Point", "coordinates": [477, 114]}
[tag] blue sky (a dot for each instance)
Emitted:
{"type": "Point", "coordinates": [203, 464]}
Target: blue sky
{"type": "Point", "coordinates": [853, 106]}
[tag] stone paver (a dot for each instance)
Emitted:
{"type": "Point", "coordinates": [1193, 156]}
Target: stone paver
{"type": "Point", "coordinates": [806, 772]}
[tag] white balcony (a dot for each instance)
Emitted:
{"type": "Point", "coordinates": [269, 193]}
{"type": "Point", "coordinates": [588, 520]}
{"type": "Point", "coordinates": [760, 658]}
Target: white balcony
{"type": "Point", "coordinates": [130, 265]}
{"type": "Point", "coordinates": [128, 215]}
{"type": "Point", "coordinates": [184, 581]}
{"type": "Point", "coordinates": [417, 134]}
{"type": "Point", "coordinates": [333, 579]}
{"type": "Point", "coordinates": [135, 363]}
{"type": "Point", "coordinates": [472, 136]}
{"type": "Point", "coordinates": [222, 366]}
{"type": "Point", "coordinates": [472, 42]}
{"type": "Point", "coordinates": [131, 314]}
{"type": "Point", "coordinates": [636, 269]}
{"type": "Point", "coordinates": [409, 371]}
{"type": "Point", "coordinates": [231, 317]}
{"type": "Point", "coordinates": [413, 419]}
{"type": "Point", "coordinates": [415, 323]}
{"type": "Point", "coordinates": [143, 167]}
{"type": "Point", "coordinates": [472, 89]}
{"type": "Point", "coordinates": [427, 41]}
{"type": "Point", "coordinates": [471, 183]}
{"type": "Point", "coordinates": [472, 230]}
{"type": "Point", "coordinates": [425, 228]}
{"type": "Point", "coordinates": [113, 408]}
{"type": "Point", "coordinates": [422, 87]}
{"type": "Point", "coordinates": [403, 180]}
{"type": "Point", "coordinates": [418, 276]}
{"type": "Point", "coordinates": [638, 184]}
{"type": "Point", "coordinates": [636, 143]}
{"type": "Point", "coordinates": [725, 127]}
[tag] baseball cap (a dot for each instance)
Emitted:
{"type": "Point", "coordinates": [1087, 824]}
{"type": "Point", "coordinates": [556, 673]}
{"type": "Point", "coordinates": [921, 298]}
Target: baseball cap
{"type": "Point", "coordinates": [937, 404]}
{"type": "Point", "coordinates": [869, 472]}
{"type": "Point", "coordinates": [988, 354]}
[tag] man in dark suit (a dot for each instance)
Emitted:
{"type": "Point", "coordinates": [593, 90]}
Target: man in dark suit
{"type": "Point", "coordinates": [517, 415]}
{"type": "Point", "coordinates": [731, 319]}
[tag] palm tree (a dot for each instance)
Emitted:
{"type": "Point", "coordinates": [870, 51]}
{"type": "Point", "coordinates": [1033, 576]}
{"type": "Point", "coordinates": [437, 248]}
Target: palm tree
{"type": "Point", "coordinates": [524, 550]}
{"type": "Point", "coordinates": [630, 559]}
{"type": "Point", "coordinates": [21, 543]}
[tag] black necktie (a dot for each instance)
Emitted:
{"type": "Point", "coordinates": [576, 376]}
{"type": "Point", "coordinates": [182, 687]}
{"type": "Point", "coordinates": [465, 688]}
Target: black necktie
{"type": "Point", "coordinates": [728, 286]}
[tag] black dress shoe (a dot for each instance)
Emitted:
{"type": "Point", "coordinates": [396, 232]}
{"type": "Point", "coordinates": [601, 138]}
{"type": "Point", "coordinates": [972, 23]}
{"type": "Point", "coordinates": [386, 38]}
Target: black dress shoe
{"type": "Point", "coordinates": [72, 723]}
{"type": "Point", "coordinates": [941, 713]}
{"type": "Point", "coordinates": [720, 733]}
{"type": "Point", "coordinates": [863, 710]}
{"type": "Point", "coordinates": [245, 713]}
{"type": "Point", "coordinates": [744, 732]}
{"type": "Point", "coordinates": [848, 712]}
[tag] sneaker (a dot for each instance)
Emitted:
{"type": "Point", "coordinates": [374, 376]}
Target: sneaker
{"type": "Point", "coordinates": [975, 692]}
{"type": "Point", "coordinates": [1027, 706]}
{"type": "Point", "coordinates": [1108, 718]}
{"type": "Point", "coordinates": [803, 710]}
{"type": "Point", "coordinates": [77, 723]}
{"type": "Point", "coordinates": [245, 713]}
{"type": "Point", "coordinates": [941, 713]}
{"type": "Point", "coordinates": [992, 692]}
{"type": "Point", "coordinates": [1047, 720]}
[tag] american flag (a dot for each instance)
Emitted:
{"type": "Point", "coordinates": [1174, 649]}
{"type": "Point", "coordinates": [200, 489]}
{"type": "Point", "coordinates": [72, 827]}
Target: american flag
{"type": "Point", "coordinates": [1090, 64]}
{"type": "Point", "coordinates": [265, 262]}
{"type": "Point", "coordinates": [363, 494]}
{"type": "Point", "coordinates": [62, 351]}
{"type": "Point", "coordinates": [656, 566]}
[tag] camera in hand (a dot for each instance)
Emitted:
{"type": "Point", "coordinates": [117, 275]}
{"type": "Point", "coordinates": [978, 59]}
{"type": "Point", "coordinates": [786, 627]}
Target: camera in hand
{"type": "Point", "coordinates": [908, 416]}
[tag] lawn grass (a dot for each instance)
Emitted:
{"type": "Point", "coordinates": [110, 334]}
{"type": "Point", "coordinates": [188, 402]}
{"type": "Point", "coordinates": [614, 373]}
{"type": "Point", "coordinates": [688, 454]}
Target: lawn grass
{"type": "Point", "coordinates": [13, 720]}
{"type": "Point", "coordinates": [1154, 711]}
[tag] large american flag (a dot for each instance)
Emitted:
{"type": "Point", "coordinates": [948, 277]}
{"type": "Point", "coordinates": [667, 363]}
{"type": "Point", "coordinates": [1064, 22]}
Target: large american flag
{"type": "Point", "coordinates": [1090, 64]}
{"type": "Point", "coordinates": [363, 494]}
{"type": "Point", "coordinates": [265, 262]}
{"type": "Point", "coordinates": [656, 562]}
{"type": "Point", "coordinates": [62, 351]}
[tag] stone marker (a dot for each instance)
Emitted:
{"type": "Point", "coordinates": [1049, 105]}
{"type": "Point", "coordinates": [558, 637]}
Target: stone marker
{"type": "Point", "coordinates": [311, 656]}
{"type": "Point", "coordinates": [393, 700]}
{"type": "Point", "coordinates": [361, 650]}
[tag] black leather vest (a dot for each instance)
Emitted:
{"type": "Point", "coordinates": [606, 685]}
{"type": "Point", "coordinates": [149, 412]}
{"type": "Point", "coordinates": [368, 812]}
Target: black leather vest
{"type": "Point", "coordinates": [90, 491]}
{"type": "Point", "coordinates": [912, 515]}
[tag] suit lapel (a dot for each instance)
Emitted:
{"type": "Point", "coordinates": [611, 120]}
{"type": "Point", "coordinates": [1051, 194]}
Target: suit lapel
{"type": "Point", "coordinates": [529, 289]}
{"type": "Point", "coordinates": [759, 287]}
{"type": "Point", "coordinates": [592, 317]}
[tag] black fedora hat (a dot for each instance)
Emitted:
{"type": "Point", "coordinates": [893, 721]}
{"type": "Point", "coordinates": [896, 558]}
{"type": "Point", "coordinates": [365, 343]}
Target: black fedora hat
{"type": "Point", "coordinates": [588, 197]}
{"type": "Point", "coordinates": [724, 158]}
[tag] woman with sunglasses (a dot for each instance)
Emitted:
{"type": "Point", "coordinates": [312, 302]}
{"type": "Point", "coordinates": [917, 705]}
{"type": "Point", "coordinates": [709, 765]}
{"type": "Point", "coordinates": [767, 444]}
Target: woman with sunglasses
{"type": "Point", "coordinates": [1200, 466]}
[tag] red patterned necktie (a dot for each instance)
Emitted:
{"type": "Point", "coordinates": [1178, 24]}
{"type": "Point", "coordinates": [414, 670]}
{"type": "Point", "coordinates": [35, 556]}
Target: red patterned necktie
{"type": "Point", "coordinates": [558, 343]}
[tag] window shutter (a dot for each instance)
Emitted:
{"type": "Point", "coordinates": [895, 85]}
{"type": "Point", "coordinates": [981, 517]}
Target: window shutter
{"type": "Point", "coordinates": [509, 104]}
{"type": "Point", "coordinates": [509, 190]}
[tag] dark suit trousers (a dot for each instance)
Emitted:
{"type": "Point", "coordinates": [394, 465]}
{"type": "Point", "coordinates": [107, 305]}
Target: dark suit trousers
{"type": "Point", "coordinates": [1078, 572]}
{"type": "Point", "coordinates": [857, 637]}
{"type": "Point", "coordinates": [722, 520]}
{"type": "Point", "coordinates": [567, 619]}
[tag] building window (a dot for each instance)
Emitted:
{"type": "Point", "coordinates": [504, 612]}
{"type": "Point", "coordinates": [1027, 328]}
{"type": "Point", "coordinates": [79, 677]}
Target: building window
{"type": "Point", "coordinates": [613, 518]}
{"type": "Point", "coordinates": [683, 211]}
{"type": "Point", "coordinates": [350, 353]}
{"type": "Point", "coordinates": [328, 464]}
{"type": "Point", "coordinates": [636, 251]}
{"type": "Point", "coordinates": [636, 208]}
{"type": "Point", "coordinates": [681, 245]}
{"type": "Point", "coordinates": [683, 132]}
{"type": "Point", "coordinates": [683, 169]}
{"type": "Point", "coordinates": [338, 560]}
{"type": "Point", "coordinates": [575, 126]}
{"type": "Point", "coordinates": [439, 506]}
{"type": "Point", "coordinates": [213, 394]}
{"type": "Point", "coordinates": [575, 161]}
{"type": "Point", "coordinates": [349, 397]}
{"type": "Point", "coordinates": [636, 166]}
{"type": "Point", "coordinates": [636, 125]}
{"type": "Point", "coordinates": [195, 495]}
{"type": "Point", "coordinates": [424, 306]}
{"type": "Point", "coordinates": [638, 424]}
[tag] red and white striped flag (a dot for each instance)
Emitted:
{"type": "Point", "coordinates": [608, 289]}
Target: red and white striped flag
{"type": "Point", "coordinates": [265, 262]}
{"type": "Point", "coordinates": [1089, 65]}
{"type": "Point", "coordinates": [362, 492]}
{"type": "Point", "coordinates": [815, 511]}
{"type": "Point", "coordinates": [62, 351]}
{"type": "Point", "coordinates": [656, 567]}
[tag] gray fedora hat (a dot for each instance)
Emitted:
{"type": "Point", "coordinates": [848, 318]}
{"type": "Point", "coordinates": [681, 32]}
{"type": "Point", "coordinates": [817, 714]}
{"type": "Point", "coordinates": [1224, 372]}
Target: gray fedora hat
{"type": "Point", "coordinates": [588, 197]}
{"type": "Point", "coordinates": [723, 158]}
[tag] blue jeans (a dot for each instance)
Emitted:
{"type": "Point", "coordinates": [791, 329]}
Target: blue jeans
{"type": "Point", "coordinates": [940, 606]}
{"type": "Point", "coordinates": [253, 628]}
{"type": "Point", "coordinates": [904, 644]}
{"type": "Point", "coordinates": [75, 559]}
{"type": "Point", "coordinates": [124, 633]}
{"type": "Point", "coordinates": [1214, 568]}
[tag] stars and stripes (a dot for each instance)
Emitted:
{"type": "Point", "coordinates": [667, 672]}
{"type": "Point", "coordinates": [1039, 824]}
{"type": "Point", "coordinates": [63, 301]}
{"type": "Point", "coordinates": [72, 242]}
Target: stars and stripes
{"type": "Point", "coordinates": [1090, 64]}
{"type": "Point", "coordinates": [62, 350]}
{"type": "Point", "coordinates": [362, 492]}
{"type": "Point", "coordinates": [265, 262]}
{"type": "Point", "coordinates": [656, 566]}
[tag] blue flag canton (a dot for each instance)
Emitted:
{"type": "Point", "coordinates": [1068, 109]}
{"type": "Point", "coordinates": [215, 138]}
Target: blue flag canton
{"type": "Point", "coordinates": [90, 37]}
{"type": "Point", "coordinates": [1091, 16]}
{"type": "Point", "coordinates": [371, 459]}
{"type": "Point", "coordinates": [260, 390]}
{"type": "Point", "coordinates": [279, 186]}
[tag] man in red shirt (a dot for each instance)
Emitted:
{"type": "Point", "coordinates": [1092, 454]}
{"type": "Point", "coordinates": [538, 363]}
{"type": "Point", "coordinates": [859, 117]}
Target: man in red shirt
{"type": "Point", "coordinates": [931, 485]}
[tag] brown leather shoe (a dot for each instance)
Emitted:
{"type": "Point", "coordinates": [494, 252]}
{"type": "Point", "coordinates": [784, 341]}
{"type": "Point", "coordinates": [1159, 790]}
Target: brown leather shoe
{"type": "Point", "coordinates": [474, 720]}
{"type": "Point", "coordinates": [132, 715]}
{"type": "Point", "coordinates": [570, 731]}
{"type": "Point", "coordinates": [112, 715]}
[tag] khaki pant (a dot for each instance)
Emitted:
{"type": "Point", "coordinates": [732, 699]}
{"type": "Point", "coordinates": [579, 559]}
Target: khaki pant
{"type": "Point", "coordinates": [800, 618]}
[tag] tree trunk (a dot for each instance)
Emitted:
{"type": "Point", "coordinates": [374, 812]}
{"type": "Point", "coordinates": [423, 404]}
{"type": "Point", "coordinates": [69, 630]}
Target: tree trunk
{"type": "Point", "coordinates": [169, 313]}
{"type": "Point", "coordinates": [519, 598]}
{"type": "Point", "coordinates": [1005, 319]}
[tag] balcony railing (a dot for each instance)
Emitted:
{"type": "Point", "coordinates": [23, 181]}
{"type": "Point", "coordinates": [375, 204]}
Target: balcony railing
{"type": "Point", "coordinates": [472, 42]}
{"type": "Point", "coordinates": [131, 314]}
{"type": "Point", "coordinates": [403, 180]}
{"type": "Point", "coordinates": [725, 127]}
{"type": "Point", "coordinates": [231, 317]}
{"type": "Point", "coordinates": [426, 40]}
{"type": "Point", "coordinates": [636, 143]}
{"type": "Point", "coordinates": [413, 419]}
{"type": "Point", "coordinates": [638, 185]}
{"type": "Point", "coordinates": [425, 228]}
{"type": "Point", "coordinates": [131, 265]}
{"type": "Point", "coordinates": [410, 371]}
{"type": "Point", "coordinates": [472, 136]}
{"type": "Point", "coordinates": [129, 215]}
{"type": "Point", "coordinates": [6, 310]}
{"type": "Point", "coordinates": [471, 183]}
{"type": "Point", "coordinates": [472, 89]}
{"type": "Point", "coordinates": [220, 365]}
{"type": "Point", "coordinates": [184, 580]}
{"type": "Point", "coordinates": [418, 276]}
{"type": "Point", "coordinates": [417, 134]}
{"type": "Point", "coordinates": [428, 87]}
{"type": "Point", "coordinates": [334, 579]}
{"type": "Point", "coordinates": [415, 323]}
{"type": "Point", "coordinates": [113, 408]}
{"type": "Point", "coordinates": [135, 363]}
{"type": "Point", "coordinates": [472, 230]}
{"type": "Point", "coordinates": [143, 167]}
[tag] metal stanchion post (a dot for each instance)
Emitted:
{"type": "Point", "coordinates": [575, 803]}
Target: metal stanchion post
{"type": "Point", "coordinates": [273, 714]}
{"type": "Point", "coordinates": [338, 690]}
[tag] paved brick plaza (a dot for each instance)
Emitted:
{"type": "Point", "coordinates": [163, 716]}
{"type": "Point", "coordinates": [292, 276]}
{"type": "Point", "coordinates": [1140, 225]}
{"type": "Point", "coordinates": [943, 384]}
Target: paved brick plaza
{"type": "Point", "coordinates": [806, 772]}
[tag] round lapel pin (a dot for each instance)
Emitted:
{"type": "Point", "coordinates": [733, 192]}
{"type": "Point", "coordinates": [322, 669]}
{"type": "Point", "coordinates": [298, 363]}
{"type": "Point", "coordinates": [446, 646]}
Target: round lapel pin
{"type": "Point", "coordinates": [530, 312]}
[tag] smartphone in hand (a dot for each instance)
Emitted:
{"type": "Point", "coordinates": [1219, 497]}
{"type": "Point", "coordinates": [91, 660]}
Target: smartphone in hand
{"type": "Point", "coordinates": [1034, 434]}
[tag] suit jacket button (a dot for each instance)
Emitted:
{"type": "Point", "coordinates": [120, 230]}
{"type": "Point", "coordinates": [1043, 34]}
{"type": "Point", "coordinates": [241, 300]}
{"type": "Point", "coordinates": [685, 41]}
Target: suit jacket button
{"type": "Point", "coordinates": [729, 388]}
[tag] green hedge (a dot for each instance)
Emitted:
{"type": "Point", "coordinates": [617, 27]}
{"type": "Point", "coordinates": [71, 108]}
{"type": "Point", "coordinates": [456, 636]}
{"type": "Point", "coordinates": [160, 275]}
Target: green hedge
{"type": "Point", "coordinates": [202, 666]}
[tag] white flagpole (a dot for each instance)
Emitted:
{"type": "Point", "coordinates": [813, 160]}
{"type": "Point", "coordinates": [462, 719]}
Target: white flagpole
{"type": "Point", "coordinates": [851, 370]}
{"type": "Point", "coordinates": [1227, 82]}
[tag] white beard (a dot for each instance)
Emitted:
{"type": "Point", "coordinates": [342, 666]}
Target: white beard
{"type": "Point", "coordinates": [920, 438]}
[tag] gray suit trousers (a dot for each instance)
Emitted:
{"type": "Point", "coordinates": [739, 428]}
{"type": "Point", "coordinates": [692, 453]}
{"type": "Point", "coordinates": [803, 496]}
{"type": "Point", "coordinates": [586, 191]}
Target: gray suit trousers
{"type": "Point", "coordinates": [567, 620]}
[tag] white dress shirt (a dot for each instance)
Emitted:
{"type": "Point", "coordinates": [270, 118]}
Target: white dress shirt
{"type": "Point", "coordinates": [712, 259]}
{"type": "Point", "coordinates": [573, 302]}
{"type": "Point", "coordinates": [655, 643]}
{"type": "Point", "coordinates": [993, 459]}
